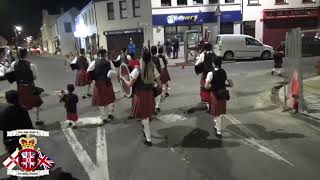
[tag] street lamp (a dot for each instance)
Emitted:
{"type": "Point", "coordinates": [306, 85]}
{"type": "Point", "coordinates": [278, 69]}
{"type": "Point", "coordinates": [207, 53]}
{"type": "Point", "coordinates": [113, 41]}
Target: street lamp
{"type": "Point", "coordinates": [17, 30]}
{"type": "Point", "coordinates": [218, 13]}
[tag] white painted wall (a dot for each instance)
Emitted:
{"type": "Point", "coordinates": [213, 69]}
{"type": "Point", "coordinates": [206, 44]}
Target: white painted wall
{"type": "Point", "coordinates": [157, 3]}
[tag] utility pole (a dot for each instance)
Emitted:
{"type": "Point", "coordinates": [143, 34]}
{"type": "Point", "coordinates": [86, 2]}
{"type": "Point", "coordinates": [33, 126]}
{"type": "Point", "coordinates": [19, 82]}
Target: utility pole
{"type": "Point", "coordinates": [218, 14]}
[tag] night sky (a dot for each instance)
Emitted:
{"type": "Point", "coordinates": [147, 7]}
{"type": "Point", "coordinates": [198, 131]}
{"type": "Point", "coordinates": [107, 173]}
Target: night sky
{"type": "Point", "coordinates": [28, 13]}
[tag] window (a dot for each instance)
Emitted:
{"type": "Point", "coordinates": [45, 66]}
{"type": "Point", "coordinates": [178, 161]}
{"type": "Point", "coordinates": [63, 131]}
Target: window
{"type": "Point", "coordinates": [90, 17]}
{"type": "Point", "coordinates": [226, 28]}
{"type": "Point", "coordinates": [171, 31]}
{"type": "Point", "coordinates": [308, 1]}
{"type": "Point", "coordinates": [67, 27]}
{"type": "Point", "coordinates": [165, 2]}
{"type": "Point", "coordinates": [249, 28]}
{"type": "Point", "coordinates": [123, 9]}
{"type": "Point", "coordinates": [252, 42]}
{"type": "Point", "coordinates": [110, 10]}
{"type": "Point", "coordinates": [213, 1]}
{"type": "Point", "coordinates": [136, 8]}
{"type": "Point", "coordinates": [195, 2]}
{"type": "Point", "coordinates": [93, 16]}
{"type": "Point", "coordinates": [280, 1]}
{"type": "Point", "coordinates": [182, 2]}
{"type": "Point", "coordinates": [85, 19]}
{"type": "Point", "coordinates": [229, 1]}
{"type": "Point", "coordinates": [253, 2]}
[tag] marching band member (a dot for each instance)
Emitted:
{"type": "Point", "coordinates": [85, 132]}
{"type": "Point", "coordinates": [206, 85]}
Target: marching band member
{"type": "Point", "coordinates": [142, 80]}
{"type": "Point", "coordinates": [25, 73]}
{"type": "Point", "coordinates": [81, 64]}
{"type": "Point", "coordinates": [217, 81]}
{"type": "Point", "coordinates": [156, 62]}
{"type": "Point", "coordinates": [101, 71]}
{"type": "Point", "coordinates": [204, 65]}
{"type": "Point", "coordinates": [164, 75]}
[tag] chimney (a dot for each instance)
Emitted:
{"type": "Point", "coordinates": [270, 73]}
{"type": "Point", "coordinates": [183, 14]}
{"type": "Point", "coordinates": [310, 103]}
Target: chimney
{"type": "Point", "coordinates": [61, 11]}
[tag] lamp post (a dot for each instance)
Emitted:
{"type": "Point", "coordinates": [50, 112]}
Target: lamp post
{"type": "Point", "coordinates": [17, 31]}
{"type": "Point", "coordinates": [218, 14]}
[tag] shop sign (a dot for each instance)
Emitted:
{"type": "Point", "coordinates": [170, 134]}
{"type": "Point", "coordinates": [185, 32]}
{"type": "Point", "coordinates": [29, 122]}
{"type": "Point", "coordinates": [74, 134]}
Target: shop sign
{"type": "Point", "coordinates": [290, 13]}
{"type": "Point", "coordinates": [172, 19]}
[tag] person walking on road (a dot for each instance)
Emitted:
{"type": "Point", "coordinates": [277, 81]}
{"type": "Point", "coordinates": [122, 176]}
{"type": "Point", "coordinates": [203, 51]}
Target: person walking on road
{"type": "Point", "coordinates": [216, 82]}
{"type": "Point", "coordinates": [101, 71]}
{"type": "Point", "coordinates": [81, 64]}
{"type": "Point", "coordinates": [131, 47]}
{"type": "Point", "coordinates": [278, 55]}
{"type": "Point", "coordinates": [142, 80]}
{"type": "Point", "coordinates": [70, 101]}
{"type": "Point", "coordinates": [25, 73]}
{"type": "Point", "coordinates": [156, 61]}
{"type": "Point", "coordinates": [13, 117]}
{"type": "Point", "coordinates": [176, 46]}
{"type": "Point", "coordinates": [164, 75]}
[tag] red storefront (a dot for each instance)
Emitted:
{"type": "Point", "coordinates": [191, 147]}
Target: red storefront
{"type": "Point", "coordinates": [277, 22]}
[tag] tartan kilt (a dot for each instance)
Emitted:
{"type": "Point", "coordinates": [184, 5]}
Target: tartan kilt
{"type": "Point", "coordinates": [81, 78]}
{"type": "Point", "coordinates": [26, 99]}
{"type": "Point", "coordinates": [204, 93]}
{"type": "Point", "coordinates": [217, 107]}
{"type": "Point", "coordinates": [164, 76]}
{"type": "Point", "coordinates": [143, 105]}
{"type": "Point", "coordinates": [72, 116]}
{"type": "Point", "coordinates": [103, 94]}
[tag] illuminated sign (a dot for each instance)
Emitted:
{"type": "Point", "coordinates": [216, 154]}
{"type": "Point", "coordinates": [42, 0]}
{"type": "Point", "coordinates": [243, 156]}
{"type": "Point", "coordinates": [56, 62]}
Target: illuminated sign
{"type": "Point", "coordinates": [175, 18]}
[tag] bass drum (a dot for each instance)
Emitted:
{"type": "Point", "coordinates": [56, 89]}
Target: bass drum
{"type": "Point", "coordinates": [124, 72]}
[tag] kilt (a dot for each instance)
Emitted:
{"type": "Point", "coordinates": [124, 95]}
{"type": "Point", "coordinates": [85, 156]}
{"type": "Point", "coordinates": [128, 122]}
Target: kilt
{"type": "Point", "coordinates": [143, 105]}
{"type": "Point", "coordinates": [81, 78]}
{"type": "Point", "coordinates": [26, 99]}
{"type": "Point", "coordinates": [103, 94]}
{"type": "Point", "coordinates": [72, 116]}
{"type": "Point", "coordinates": [164, 76]}
{"type": "Point", "coordinates": [217, 107]}
{"type": "Point", "coordinates": [204, 93]}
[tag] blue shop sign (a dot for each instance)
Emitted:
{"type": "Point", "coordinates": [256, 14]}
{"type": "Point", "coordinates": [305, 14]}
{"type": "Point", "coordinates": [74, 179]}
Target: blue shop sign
{"type": "Point", "coordinates": [194, 18]}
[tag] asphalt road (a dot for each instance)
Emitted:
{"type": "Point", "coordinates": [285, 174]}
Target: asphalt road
{"type": "Point", "coordinates": [260, 142]}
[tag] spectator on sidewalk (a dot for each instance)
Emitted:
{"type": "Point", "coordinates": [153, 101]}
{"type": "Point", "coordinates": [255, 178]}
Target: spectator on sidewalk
{"type": "Point", "coordinates": [175, 45]}
{"type": "Point", "coordinates": [13, 117]}
{"type": "Point", "coordinates": [168, 48]}
{"type": "Point", "coordinates": [70, 101]}
{"type": "Point", "coordinates": [131, 47]}
{"type": "Point", "coordinates": [278, 55]}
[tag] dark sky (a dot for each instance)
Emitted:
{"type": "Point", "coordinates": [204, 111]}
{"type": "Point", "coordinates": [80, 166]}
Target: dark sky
{"type": "Point", "coordinates": [28, 13]}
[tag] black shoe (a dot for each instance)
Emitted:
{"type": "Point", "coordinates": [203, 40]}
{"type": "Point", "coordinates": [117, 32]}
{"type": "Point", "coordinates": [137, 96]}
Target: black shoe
{"type": "Point", "coordinates": [166, 94]}
{"type": "Point", "coordinates": [148, 143]}
{"type": "Point", "coordinates": [219, 136]}
{"type": "Point", "coordinates": [158, 109]}
{"type": "Point", "coordinates": [89, 95]}
{"type": "Point", "coordinates": [83, 97]}
{"type": "Point", "coordinates": [272, 73]}
{"type": "Point", "coordinates": [111, 117]}
{"type": "Point", "coordinates": [74, 127]}
{"type": "Point", "coordinates": [144, 134]}
{"type": "Point", "coordinates": [280, 75]}
{"type": "Point", "coordinates": [130, 117]}
{"type": "Point", "coordinates": [106, 121]}
{"type": "Point", "coordinates": [70, 124]}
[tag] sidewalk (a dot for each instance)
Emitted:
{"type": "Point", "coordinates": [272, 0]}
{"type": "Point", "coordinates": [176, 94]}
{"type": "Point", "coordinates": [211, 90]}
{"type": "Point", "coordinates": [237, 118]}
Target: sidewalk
{"type": "Point", "coordinates": [311, 92]}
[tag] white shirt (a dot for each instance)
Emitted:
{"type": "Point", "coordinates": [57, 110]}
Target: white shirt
{"type": "Point", "coordinates": [200, 58]}
{"type": "Point", "coordinates": [111, 73]}
{"type": "Point", "coordinates": [210, 75]}
{"type": "Point", "coordinates": [136, 72]}
{"type": "Point", "coordinates": [33, 68]}
{"type": "Point", "coordinates": [161, 63]}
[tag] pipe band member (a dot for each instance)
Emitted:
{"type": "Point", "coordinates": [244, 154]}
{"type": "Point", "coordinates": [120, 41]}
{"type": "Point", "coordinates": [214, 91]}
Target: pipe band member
{"type": "Point", "coordinates": [25, 73]}
{"type": "Point", "coordinates": [101, 71]}
{"type": "Point", "coordinates": [142, 80]}
{"type": "Point", "coordinates": [156, 61]}
{"type": "Point", "coordinates": [81, 64]}
{"type": "Point", "coordinates": [164, 75]}
{"type": "Point", "coordinates": [216, 82]}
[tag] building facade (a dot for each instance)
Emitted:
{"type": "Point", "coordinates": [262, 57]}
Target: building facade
{"type": "Point", "coordinates": [110, 24]}
{"type": "Point", "coordinates": [269, 20]}
{"type": "Point", "coordinates": [173, 17]}
{"type": "Point", "coordinates": [3, 41]}
{"type": "Point", "coordinates": [57, 32]}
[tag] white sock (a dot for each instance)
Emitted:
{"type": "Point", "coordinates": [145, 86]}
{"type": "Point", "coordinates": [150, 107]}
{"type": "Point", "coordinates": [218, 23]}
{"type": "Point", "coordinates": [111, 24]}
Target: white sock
{"type": "Point", "coordinates": [218, 124]}
{"type": "Point", "coordinates": [102, 112]}
{"type": "Point", "coordinates": [146, 129]}
{"type": "Point", "coordinates": [158, 99]}
{"type": "Point", "coordinates": [208, 106]}
{"type": "Point", "coordinates": [273, 69]}
{"type": "Point", "coordinates": [110, 109]}
{"type": "Point", "coordinates": [89, 88]}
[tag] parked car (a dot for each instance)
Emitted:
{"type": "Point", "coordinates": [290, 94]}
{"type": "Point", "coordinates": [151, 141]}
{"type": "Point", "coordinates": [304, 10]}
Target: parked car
{"type": "Point", "coordinates": [35, 50]}
{"type": "Point", "coordinates": [238, 46]}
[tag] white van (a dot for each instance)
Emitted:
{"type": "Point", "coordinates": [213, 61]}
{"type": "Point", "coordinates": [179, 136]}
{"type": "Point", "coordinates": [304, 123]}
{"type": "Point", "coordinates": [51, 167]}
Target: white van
{"type": "Point", "coordinates": [238, 46]}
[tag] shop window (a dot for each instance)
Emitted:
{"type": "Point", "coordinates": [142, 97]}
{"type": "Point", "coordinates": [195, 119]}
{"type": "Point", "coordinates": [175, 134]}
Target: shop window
{"type": "Point", "coordinates": [226, 28]}
{"type": "Point", "coordinates": [249, 28]}
{"type": "Point", "coordinates": [67, 27]}
{"type": "Point", "coordinates": [195, 2]}
{"type": "Point", "coordinates": [213, 1]}
{"type": "Point", "coordinates": [171, 31]}
{"type": "Point", "coordinates": [253, 2]}
{"type": "Point", "coordinates": [182, 2]}
{"type": "Point", "coordinates": [281, 1]}
{"type": "Point", "coordinates": [165, 2]}
{"type": "Point", "coordinates": [136, 8]}
{"type": "Point", "coordinates": [229, 1]}
{"type": "Point", "coordinates": [123, 9]}
{"type": "Point", "coordinates": [110, 10]}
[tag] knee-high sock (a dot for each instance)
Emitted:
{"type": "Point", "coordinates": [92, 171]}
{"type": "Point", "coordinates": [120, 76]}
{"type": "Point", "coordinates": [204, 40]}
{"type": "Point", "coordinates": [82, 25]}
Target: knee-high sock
{"type": "Point", "coordinates": [102, 112]}
{"type": "Point", "coordinates": [89, 89]}
{"type": "Point", "coordinates": [166, 86]}
{"type": "Point", "coordinates": [158, 99]}
{"type": "Point", "coordinates": [110, 109]}
{"type": "Point", "coordinates": [146, 128]}
{"type": "Point", "coordinates": [218, 124]}
{"type": "Point", "coordinates": [208, 105]}
{"type": "Point", "coordinates": [37, 114]}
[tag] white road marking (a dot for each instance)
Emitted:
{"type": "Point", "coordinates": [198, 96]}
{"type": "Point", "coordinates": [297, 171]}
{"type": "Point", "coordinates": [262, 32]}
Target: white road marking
{"type": "Point", "coordinates": [99, 171]}
{"type": "Point", "coordinates": [255, 143]}
{"type": "Point", "coordinates": [170, 118]}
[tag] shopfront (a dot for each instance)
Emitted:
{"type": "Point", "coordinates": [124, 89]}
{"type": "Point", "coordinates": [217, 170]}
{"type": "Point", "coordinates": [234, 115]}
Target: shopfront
{"type": "Point", "coordinates": [276, 23]}
{"type": "Point", "coordinates": [167, 26]}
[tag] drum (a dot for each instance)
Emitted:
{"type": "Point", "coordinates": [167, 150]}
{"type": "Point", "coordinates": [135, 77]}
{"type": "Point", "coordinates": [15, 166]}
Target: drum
{"type": "Point", "coordinates": [124, 72]}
